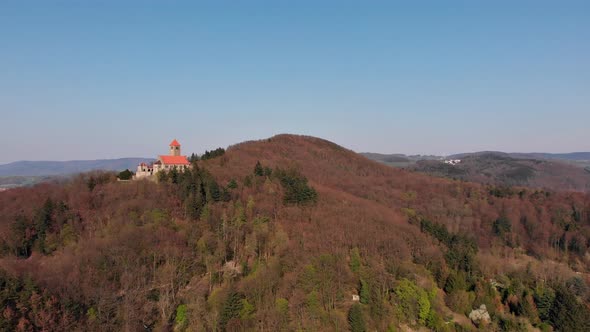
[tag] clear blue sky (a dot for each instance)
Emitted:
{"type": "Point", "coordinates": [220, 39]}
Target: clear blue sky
{"type": "Point", "coordinates": [103, 79]}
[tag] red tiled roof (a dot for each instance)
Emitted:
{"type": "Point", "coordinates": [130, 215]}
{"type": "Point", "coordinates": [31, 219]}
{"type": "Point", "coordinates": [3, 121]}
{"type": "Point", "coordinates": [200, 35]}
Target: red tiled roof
{"type": "Point", "coordinates": [175, 143]}
{"type": "Point", "coordinates": [174, 160]}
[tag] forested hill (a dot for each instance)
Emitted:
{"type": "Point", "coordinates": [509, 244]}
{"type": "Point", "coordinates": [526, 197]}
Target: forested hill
{"type": "Point", "coordinates": [278, 235]}
{"type": "Point", "coordinates": [502, 169]}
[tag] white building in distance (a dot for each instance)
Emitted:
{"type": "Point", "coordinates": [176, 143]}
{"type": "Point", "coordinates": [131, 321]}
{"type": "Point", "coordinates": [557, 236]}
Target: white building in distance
{"type": "Point", "coordinates": [452, 161]}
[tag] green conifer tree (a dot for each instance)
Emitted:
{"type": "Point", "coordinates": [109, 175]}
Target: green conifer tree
{"type": "Point", "coordinates": [355, 319]}
{"type": "Point", "coordinates": [355, 260]}
{"type": "Point", "coordinates": [365, 293]}
{"type": "Point", "coordinates": [544, 298]}
{"type": "Point", "coordinates": [231, 309]}
{"type": "Point", "coordinates": [567, 314]}
{"type": "Point", "coordinates": [258, 170]}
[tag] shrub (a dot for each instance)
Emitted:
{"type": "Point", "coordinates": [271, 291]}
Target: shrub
{"type": "Point", "coordinates": [460, 301]}
{"type": "Point", "coordinates": [181, 318]}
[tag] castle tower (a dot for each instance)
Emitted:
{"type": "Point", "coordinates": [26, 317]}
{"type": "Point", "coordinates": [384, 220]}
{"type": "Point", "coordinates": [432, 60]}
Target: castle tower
{"type": "Point", "coordinates": [175, 148]}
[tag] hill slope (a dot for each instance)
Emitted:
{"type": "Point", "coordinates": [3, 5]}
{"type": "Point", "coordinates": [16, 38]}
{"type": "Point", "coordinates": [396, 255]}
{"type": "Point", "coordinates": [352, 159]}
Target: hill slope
{"type": "Point", "coordinates": [279, 235]}
{"type": "Point", "coordinates": [44, 168]}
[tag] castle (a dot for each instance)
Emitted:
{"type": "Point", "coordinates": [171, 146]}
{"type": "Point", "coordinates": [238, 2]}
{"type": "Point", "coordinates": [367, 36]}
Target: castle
{"type": "Point", "coordinates": [164, 163]}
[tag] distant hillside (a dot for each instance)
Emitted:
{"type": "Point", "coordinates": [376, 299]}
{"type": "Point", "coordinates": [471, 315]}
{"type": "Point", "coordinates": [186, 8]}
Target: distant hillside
{"type": "Point", "coordinates": [578, 156]}
{"type": "Point", "coordinates": [580, 159]}
{"type": "Point", "coordinates": [573, 156]}
{"type": "Point", "coordinates": [397, 159]}
{"type": "Point", "coordinates": [44, 168]}
{"type": "Point", "coordinates": [21, 181]}
{"type": "Point", "coordinates": [503, 169]}
{"type": "Point", "coordinates": [556, 171]}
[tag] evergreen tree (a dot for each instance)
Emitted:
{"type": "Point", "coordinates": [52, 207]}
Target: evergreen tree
{"type": "Point", "coordinates": [355, 319]}
{"type": "Point", "coordinates": [43, 221]}
{"type": "Point", "coordinates": [567, 314]}
{"type": "Point", "coordinates": [192, 206]}
{"type": "Point", "coordinates": [212, 154]}
{"type": "Point", "coordinates": [544, 298]}
{"type": "Point", "coordinates": [365, 293]}
{"type": "Point", "coordinates": [233, 184]}
{"type": "Point", "coordinates": [91, 183]}
{"type": "Point", "coordinates": [125, 175]}
{"type": "Point", "coordinates": [213, 190]}
{"type": "Point", "coordinates": [23, 240]}
{"type": "Point", "coordinates": [173, 175]}
{"type": "Point", "coordinates": [502, 226]}
{"type": "Point", "coordinates": [355, 260]}
{"type": "Point", "coordinates": [231, 309]}
{"type": "Point", "coordinates": [297, 191]}
{"type": "Point", "coordinates": [576, 214]}
{"type": "Point", "coordinates": [258, 170]}
{"type": "Point", "coordinates": [162, 176]}
{"type": "Point", "coordinates": [194, 157]}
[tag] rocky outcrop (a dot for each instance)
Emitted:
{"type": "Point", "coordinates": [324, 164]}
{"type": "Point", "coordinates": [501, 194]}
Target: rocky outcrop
{"type": "Point", "coordinates": [480, 316]}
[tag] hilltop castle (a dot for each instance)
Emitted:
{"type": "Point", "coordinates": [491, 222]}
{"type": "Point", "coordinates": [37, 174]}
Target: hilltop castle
{"type": "Point", "coordinates": [164, 162]}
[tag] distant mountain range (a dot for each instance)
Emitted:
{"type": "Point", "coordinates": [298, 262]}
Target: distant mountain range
{"type": "Point", "coordinates": [573, 156]}
{"type": "Point", "coordinates": [563, 171]}
{"type": "Point", "coordinates": [398, 157]}
{"type": "Point", "coordinates": [557, 171]}
{"type": "Point", "coordinates": [47, 168]}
